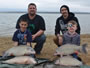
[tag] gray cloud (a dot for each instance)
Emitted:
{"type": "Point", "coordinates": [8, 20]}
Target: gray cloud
{"type": "Point", "coordinates": [47, 5]}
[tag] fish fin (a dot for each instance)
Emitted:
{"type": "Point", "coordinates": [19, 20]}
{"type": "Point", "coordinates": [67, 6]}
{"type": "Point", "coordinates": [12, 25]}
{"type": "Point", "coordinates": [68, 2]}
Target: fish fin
{"type": "Point", "coordinates": [84, 48]}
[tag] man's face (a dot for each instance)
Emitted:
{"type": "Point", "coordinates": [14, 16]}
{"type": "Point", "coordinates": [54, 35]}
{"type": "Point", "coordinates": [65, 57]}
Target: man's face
{"type": "Point", "coordinates": [64, 12]}
{"type": "Point", "coordinates": [32, 10]}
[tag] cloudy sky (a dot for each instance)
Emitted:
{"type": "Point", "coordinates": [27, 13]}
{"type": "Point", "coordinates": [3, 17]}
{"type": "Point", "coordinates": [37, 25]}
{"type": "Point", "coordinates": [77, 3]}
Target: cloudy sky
{"type": "Point", "coordinates": [45, 5]}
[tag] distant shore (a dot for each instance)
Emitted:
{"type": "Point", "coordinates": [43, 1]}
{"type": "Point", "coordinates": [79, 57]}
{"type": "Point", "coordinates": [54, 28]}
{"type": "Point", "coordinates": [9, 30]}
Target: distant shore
{"type": "Point", "coordinates": [49, 47]}
{"type": "Point", "coordinates": [42, 12]}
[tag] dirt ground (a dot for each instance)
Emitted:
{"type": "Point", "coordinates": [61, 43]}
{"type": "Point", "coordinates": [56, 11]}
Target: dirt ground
{"type": "Point", "coordinates": [49, 47]}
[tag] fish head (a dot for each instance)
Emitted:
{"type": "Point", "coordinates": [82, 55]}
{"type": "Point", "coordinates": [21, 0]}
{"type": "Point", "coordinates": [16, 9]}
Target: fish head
{"type": "Point", "coordinates": [56, 53]}
{"type": "Point", "coordinates": [30, 50]}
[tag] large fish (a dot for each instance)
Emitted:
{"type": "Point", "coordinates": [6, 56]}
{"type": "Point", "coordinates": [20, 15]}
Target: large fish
{"type": "Point", "coordinates": [21, 60]}
{"type": "Point", "coordinates": [68, 61]}
{"type": "Point", "coordinates": [68, 49]}
{"type": "Point", "coordinates": [19, 51]}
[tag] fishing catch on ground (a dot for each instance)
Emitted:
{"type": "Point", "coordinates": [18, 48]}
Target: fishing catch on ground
{"type": "Point", "coordinates": [19, 51]}
{"type": "Point", "coordinates": [68, 61]}
{"type": "Point", "coordinates": [21, 60]}
{"type": "Point", "coordinates": [68, 49]}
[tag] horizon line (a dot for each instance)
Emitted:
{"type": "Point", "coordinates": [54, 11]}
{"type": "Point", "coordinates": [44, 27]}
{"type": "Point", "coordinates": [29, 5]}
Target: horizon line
{"type": "Point", "coordinates": [40, 12]}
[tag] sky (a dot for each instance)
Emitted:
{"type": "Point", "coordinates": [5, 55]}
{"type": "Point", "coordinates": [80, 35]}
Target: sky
{"type": "Point", "coordinates": [45, 5]}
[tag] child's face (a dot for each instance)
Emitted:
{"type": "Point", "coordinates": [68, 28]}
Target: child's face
{"type": "Point", "coordinates": [23, 25]}
{"type": "Point", "coordinates": [71, 27]}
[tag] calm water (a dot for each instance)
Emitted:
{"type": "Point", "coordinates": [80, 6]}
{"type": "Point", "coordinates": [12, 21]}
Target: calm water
{"type": "Point", "coordinates": [8, 22]}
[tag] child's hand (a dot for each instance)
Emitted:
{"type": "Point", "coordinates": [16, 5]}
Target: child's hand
{"type": "Point", "coordinates": [60, 40]}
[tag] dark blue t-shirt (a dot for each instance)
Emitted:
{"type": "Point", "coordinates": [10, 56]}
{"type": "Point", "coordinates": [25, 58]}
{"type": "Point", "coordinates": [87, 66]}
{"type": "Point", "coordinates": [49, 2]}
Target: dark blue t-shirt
{"type": "Point", "coordinates": [22, 37]}
{"type": "Point", "coordinates": [34, 25]}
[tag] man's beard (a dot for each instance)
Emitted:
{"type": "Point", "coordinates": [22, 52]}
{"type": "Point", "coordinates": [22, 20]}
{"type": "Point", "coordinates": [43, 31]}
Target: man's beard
{"type": "Point", "coordinates": [31, 14]}
{"type": "Point", "coordinates": [65, 15]}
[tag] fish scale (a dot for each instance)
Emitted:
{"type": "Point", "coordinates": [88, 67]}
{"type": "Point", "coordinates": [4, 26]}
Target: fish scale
{"type": "Point", "coordinates": [21, 60]}
{"type": "Point", "coordinates": [68, 49]}
{"type": "Point", "coordinates": [19, 51]}
{"type": "Point", "coordinates": [68, 61]}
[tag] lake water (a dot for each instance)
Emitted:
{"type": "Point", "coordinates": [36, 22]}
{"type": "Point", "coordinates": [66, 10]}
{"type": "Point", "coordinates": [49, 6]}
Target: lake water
{"type": "Point", "coordinates": [8, 22]}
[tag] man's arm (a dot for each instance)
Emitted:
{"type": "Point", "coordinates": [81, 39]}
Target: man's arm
{"type": "Point", "coordinates": [40, 32]}
{"type": "Point", "coordinates": [57, 28]}
{"type": "Point", "coordinates": [60, 39]}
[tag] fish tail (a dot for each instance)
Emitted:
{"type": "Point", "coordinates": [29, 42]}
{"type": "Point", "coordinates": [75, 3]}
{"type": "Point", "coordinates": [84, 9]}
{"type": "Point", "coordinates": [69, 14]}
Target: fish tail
{"type": "Point", "coordinates": [84, 48]}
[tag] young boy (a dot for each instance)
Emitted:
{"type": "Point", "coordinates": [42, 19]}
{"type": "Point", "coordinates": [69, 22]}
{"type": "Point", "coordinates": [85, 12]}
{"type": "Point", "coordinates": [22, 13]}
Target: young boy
{"type": "Point", "coordinates": [22, 36]}
{"type": "Point", "coordinates": [71, 36]}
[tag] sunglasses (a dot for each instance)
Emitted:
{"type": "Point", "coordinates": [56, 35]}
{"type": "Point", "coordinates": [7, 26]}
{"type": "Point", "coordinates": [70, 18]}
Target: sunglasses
{"type": "Point", "coordinates": [69, 25]}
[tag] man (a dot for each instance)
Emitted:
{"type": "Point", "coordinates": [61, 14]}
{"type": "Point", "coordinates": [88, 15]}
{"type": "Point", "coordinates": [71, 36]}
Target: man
{"type": "Point", "coordinates": [61, 23]}
{"type": "Point", "coordinates": [36, 26]}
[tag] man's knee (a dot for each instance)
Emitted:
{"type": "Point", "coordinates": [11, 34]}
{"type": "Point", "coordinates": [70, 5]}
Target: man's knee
{"type": "Point", "coordinates": [55, 39]}
{"type": "Point", "coordinates": [43, 38]}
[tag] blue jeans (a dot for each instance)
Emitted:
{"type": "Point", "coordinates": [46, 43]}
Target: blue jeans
{"type": "Point", "coordinates": [76, 56]}
{"type": "Point", "coordinates": [39, 43]}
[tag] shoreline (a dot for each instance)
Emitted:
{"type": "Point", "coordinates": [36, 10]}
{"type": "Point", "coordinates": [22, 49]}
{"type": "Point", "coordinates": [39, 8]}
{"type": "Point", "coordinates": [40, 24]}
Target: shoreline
{"type": "Point", "coordinates": [82, 35]}
{"type": "Point", "coordinates": [50, 12]}
{"type": "Point", "coordinates": [49, 47]}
